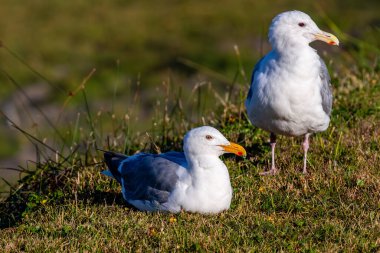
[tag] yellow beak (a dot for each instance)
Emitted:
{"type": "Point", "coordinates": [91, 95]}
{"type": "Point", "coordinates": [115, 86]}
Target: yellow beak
{"type": "Point", "coordinates": [234, 148]}
{"type": "Point", "coordinates": [327, 37]}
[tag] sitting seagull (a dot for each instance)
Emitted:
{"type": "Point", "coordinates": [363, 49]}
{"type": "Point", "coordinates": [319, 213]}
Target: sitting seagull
{"type": "Point", "coordinates": [290, 91]}
{"type": "Point", "coordinates": [195, 180]}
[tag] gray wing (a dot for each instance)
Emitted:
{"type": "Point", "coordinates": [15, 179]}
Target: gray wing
{"type": "Point", "coordinates": [255, 69]}
{"type": "Point", "coordinates": [326, 92]}
{"type": "Point", "coordinates": [150, 177]}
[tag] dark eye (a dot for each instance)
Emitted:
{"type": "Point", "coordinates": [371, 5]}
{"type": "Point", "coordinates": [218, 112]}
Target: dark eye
{"type": "Point", "coordinates": [301, 24]}
{"type": "Point", "coordinates": [209, 137]}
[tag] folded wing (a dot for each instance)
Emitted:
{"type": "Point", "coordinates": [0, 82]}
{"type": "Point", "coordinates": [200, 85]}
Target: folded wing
{"type": "Point", "coordinates": [326, 92]}
{"type": "Point", "coordinates": [146, 177]}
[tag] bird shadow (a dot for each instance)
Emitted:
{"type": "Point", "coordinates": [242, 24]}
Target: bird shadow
{"type": "Point", "coordinates": [257, 149]}
{"type": "Point", "coordinates": [256, 153]}
{"type": "Point", "coordinates": [97, 197]}
{"type": "Point", "coordinates": [12, 210]}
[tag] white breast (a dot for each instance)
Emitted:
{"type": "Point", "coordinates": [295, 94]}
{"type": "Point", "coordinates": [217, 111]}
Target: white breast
{"type": "Point", "coordinates": [286, 97]}
{"type": "Point", "coordinates": [206, 191]}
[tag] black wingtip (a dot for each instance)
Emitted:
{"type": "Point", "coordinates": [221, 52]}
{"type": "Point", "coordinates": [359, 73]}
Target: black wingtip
{"type": "Point", "coordinates": [113, 160]}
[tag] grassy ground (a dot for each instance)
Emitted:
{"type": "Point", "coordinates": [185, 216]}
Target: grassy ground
{"type": "Point", "coordinates": [63, 203]}
{"type": "Point", "coordinates": [70, 206]}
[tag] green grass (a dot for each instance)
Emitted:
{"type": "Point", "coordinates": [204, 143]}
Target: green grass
{"type": "Point", "coordinates": [63, 203]}
{"type": "Point", "coordinates": [70, 206]}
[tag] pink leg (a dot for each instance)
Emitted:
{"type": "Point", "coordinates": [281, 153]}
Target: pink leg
{"type": "Point", "coordinates": [273, 169]}
{"type": "Point", "coordinates": [305, 146]}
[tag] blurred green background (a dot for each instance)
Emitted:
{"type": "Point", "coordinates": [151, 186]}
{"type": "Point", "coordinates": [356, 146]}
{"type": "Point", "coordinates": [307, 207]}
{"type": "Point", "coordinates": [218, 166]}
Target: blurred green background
{"type": "Point", "coordinates": [136, 46]}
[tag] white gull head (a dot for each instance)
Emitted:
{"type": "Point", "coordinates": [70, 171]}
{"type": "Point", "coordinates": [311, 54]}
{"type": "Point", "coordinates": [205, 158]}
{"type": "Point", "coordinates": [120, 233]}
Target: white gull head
{"type": "Point", "coordinates": [295, 28]}
{"type": "Point", "coordinates": [208, 141]}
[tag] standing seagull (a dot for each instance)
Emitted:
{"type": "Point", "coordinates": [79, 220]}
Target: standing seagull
{"type": "Point", "coordinates": [290, 93]}
{"type": "Point", "coordinates": [195, 180]}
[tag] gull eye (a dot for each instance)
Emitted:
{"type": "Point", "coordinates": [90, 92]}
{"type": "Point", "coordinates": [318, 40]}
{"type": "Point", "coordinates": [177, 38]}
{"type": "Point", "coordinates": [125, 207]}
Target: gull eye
{"type": "Point", "coordinates": [301, 24]}
{"type": "Point", "coordinates": [209, 137]}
